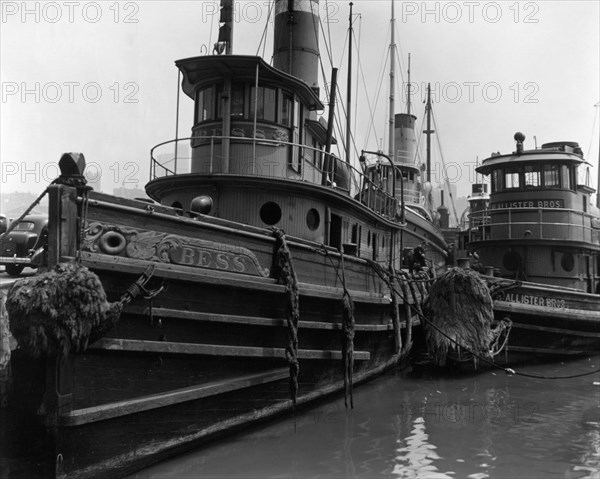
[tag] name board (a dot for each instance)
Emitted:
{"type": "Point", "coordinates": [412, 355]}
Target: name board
{"type": "Point", "coordinates": [559, 203]}
{"type": "Point", "coordinates": [117, 240]}
{"type": "Point", "coordinates": [534, 300]}
{"type": "Point", "coordinates": [187, 255]}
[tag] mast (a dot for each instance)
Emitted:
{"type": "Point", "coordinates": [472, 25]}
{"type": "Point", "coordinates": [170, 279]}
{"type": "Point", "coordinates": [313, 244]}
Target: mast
{"type": "Point", "coordinates": [597, 105]}
{"type": "Point", "coordinates": [408, 105]}
{"type": "Point", "coordinates": [392, 74]}
{"type": "Point", "coordinates": [224, 43]}
{"type": "Point", "coordinates": [332, 95]}
{"type": "Point", "coordinates": [349, 91]}
{"type": "Point", "coordinates": [428, 131]}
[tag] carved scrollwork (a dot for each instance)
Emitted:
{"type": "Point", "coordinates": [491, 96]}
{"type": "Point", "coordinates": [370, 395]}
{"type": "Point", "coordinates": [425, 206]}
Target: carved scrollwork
{"type": "Point", "coordinates": [169, 248]}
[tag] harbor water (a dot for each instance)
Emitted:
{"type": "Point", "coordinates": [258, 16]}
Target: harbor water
{"type": "Point", "coordinates": [423, 425]}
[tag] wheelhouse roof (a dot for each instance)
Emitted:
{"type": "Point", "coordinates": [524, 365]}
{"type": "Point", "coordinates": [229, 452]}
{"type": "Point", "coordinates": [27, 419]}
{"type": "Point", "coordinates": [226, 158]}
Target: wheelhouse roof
{"type": "Point", "coordinates": [209, 69]}
{"type": "Point", "coordinates": [528, 157]}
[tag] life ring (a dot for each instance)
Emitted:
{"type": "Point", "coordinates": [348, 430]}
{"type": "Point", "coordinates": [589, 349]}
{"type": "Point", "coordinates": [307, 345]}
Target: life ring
{"type": "Point", "coordinates": [112, 242]}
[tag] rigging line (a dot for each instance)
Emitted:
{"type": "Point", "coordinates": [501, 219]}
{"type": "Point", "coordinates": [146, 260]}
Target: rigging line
{"type": "Point", "coordinates": [417, 159]}
{"type": "Point", "coordinates": [358, 61]}
{"type": "Point", "coordinates": [369, 105]}
{"type": "Point", "coordinates": [210, 35]}
{"type": "Point", "coordinates": [383, 62]}
{"type": "Point", "coordinates": [264, 34]}
{"type": "Point", "coordinates": [381, 78]}
{"type": "Point", "coordinates": [325, 42]}
{"type": "Point", "coordinates": [400, 86]}
{"type": "Point", "coordinates": [328, 29]}
{"type": "Point", "coordinates": [597, 107]}
{"type": "Point", "coordinates": [447, 180]}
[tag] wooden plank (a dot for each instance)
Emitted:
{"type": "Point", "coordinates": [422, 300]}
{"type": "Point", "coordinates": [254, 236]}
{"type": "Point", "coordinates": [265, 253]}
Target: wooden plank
{"type": "Point", "coordinates": [565, 332]}
{"type": "Point", "coordinates": [250, 320]}
{"type": "Point", "coordinates": [166, 347]}
{"type": "Point", "coordinates": [560, 352]}
{"type": "Point", "coordinates": [223, 278]}
{"type": "Point", "coordinates": [547, 312]}
{"type": "Point", "coordinates": [168, 398]}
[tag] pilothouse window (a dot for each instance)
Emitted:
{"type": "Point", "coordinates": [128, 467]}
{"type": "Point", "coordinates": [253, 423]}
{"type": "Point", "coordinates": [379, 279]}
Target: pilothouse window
{"type": "Point", "coordinates": [266, 103]}
{"type": "Point", "coordinates": [511, 179]}
{"type": "Point", "coordinates": [551, 176]}
{"type": "Point", "coordinates": [532, 177]}
{"type": "Point", "coordinates": [205, 104]}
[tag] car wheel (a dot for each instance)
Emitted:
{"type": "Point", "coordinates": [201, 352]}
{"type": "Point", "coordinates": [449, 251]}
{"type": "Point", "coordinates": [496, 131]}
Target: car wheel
{"type": "Point", "coordinates": [14, 269]}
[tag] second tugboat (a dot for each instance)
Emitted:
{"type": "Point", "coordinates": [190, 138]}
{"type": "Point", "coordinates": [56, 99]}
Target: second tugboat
{"type": "Point", "coordinates": [540, 232]}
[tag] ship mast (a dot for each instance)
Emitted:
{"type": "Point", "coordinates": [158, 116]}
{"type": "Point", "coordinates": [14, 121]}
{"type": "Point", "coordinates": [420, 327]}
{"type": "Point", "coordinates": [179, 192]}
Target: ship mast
{"type": "Point", "coordinates": [408, 105]}
{"type": "Point", "coordinates": [428, 132]}
{"type": "Point", "coordinates": [349, 91]}
{"type": "Point", "coordinates": [392, 74]}
{"type": "Point", "coordinates": [597, 105]}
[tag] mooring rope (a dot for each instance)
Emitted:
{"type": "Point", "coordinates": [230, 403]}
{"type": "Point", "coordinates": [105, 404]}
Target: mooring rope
{"type": "Point", "coordinates": [16, 222]}
{"type": "Point", "coordinates": [286, 275]}
{"type": "Point", "coordinates": [395, 314]}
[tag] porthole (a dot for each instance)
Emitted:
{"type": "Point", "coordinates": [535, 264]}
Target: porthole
{"type": "Point", "coordinates": [270, 213]}
{"type": "Point", "coordinates": [567, 262]}
{"type": "Point", "coordinates": [313, 219]}
{"type": "Point", "coordinates": [512, 260]}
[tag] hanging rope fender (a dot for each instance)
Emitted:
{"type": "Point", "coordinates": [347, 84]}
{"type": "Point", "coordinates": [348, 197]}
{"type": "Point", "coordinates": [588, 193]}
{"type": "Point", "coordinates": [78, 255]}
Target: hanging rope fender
{"type": "Point", "coordinates": [285, 274]}
{"type": "Point", "coordinates": [348, 323]}
{"type": "Point", "coordinates": [65, 309]}
{"type": "Point", "coordinates": [395, 312]}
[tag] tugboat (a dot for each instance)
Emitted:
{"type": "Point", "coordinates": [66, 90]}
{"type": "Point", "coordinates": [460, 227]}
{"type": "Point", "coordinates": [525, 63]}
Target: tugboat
{"type": "Point", "coordinates": [264, 275]}
{"type": "Point", "coordinates": [540, 233]}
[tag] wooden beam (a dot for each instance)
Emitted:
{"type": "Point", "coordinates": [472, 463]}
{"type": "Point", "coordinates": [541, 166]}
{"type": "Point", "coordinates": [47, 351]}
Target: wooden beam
{"type": "Point", "coordinates": [250, 320]}
{"type": "Point", "coordinates": [547, 312]}
{"type": "Point", "coordinates": [166, 347]}
{"type": "Point", "coordinates": [558, 352]}
{"type": "Point", "coordinates": [223, 278]}
{"type": "Point", "coordinates": [565, 332]}
{"type": "Point", "coordinates": [168, 398]}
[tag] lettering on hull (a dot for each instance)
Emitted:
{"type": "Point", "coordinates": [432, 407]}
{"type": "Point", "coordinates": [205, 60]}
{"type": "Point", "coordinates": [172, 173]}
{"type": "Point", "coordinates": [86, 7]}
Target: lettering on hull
{"type": "Point", "coordinates": [169, 248]}
{"type": "Point", "coordinates": [533, 300]}
{"type": "Point", "coordinates": [558, 203]}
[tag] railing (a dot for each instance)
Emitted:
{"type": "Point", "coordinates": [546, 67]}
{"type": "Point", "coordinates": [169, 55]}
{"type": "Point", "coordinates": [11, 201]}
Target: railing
{"type": "Point", "coordinates": [270, 159]}
{"type": "Point", "coordinates": [533, 223]}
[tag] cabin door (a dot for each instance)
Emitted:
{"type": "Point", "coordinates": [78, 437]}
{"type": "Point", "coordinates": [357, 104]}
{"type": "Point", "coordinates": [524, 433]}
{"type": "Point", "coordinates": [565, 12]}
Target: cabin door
{"type": "Point", "coordinates": [589, 268]}
{"type": "Point", "coordinates": [335, 232]}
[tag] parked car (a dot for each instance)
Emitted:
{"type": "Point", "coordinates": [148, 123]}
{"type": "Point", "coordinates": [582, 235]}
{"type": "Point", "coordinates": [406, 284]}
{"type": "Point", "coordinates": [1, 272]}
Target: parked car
{"type": "Point", "coordinates": [24, 245]}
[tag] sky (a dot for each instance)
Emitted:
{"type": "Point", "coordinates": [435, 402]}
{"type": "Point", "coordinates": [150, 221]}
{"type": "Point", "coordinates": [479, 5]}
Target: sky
{"type": "Point", "coordinates": [99, 78]}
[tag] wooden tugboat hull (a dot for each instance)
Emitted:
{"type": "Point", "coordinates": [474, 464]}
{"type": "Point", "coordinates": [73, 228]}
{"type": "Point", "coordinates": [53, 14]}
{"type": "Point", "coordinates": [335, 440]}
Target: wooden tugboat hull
{"type": "Point", "coordinates": [206, 356]}
{"type": "Point", "coordinates": [548, 322]}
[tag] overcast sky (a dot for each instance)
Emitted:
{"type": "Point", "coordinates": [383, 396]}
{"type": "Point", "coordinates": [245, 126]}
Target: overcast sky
{"type": "Point", "coordinates": [99, 77]}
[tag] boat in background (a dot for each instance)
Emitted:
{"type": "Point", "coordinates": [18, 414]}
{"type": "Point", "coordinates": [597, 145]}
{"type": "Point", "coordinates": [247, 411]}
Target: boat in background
{"type": "Point", "coordinates": [264, 275]}
{"type": "Point", "coordinates": [537, 238]}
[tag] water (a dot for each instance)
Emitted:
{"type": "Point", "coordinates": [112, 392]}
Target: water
{"type": "Point", "coordinates": [488, 425]}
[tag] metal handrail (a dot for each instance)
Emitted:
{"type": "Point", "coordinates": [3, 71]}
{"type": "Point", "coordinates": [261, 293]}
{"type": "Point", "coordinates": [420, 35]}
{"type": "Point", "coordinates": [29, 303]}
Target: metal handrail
{"type": "Point", "coordinates": [483, 219]}
{"type": "Point", "coordinates": [366, 191]}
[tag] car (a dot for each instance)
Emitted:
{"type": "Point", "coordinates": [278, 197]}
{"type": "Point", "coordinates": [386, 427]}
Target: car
{"type": "Point", "coordinates": [3, 224]}
{"type": "Point", "coordinates": [24, 245]}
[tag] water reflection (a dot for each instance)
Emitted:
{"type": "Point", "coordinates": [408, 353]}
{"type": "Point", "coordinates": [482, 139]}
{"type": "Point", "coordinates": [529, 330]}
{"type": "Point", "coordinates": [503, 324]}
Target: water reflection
{"type": "Point", "coordinates": [485, 426]}
{"type": "Point", "coordinates": [415, 459]}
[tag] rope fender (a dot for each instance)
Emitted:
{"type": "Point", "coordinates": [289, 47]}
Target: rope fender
{"type": "Point", "coordinates": [64, 309]}
{"type": "Point", "coordinates": [285, 274]}
{"type": "Point", "coordinates": [348, 323]}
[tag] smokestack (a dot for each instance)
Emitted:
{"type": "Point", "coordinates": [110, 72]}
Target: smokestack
{"type": "Point", "coordinates": [296, 45]}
